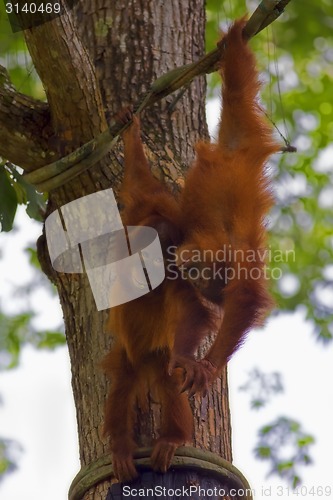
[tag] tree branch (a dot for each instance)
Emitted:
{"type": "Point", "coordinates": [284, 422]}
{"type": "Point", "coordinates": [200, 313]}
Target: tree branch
{"type": "Point", "coordinates": [56, 174]}
{"type": "Point", "coordinates": [70, 83]}
{"type": "Point", "coordinates": [68, 76]}
{"type": "Point", "coordinates": [26, 131]}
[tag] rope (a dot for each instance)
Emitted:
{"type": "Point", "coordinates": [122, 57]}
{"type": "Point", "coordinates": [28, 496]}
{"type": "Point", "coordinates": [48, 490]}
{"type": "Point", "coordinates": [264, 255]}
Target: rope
{"type": "Point", "coordinates": [186, 457]}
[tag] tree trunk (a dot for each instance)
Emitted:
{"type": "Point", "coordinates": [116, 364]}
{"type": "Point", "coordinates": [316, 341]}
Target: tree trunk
{"type": "Point", "coordinates": [92, 61]}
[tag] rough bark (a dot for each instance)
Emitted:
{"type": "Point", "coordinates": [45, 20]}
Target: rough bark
{"type": "Point", "coordinates": [26, 131]}
{"type": "Point", "coordinates": [96, 59]}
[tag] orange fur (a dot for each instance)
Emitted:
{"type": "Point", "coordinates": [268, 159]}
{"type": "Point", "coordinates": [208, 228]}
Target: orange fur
{"type": "Point", "coordinates": [222, 207]}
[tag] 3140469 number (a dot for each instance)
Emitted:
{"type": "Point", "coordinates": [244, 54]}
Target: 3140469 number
{"type": "Point", "coordinates": [33, 8]}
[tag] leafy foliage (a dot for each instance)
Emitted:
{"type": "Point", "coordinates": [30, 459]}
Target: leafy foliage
{"type": "Point", "coordinates": [285, 446]}
{"type": "Point", "coordinates": [296, 56]}
{"type": "Point", "coordinates": [14, 191]}
{"type": "Point", "coordinates": [13, 188]}
{"type": "Point", "coordinates": [17, 330]}
{"type": "Point", "coordinates": [282, 443]}
{"type": "Point", "coordinates": [8, 456]}
{"type": "Point", "coordinates": [8, 201]}
{"type": "Point", "coordinates": [262, 386]}
{"type": "Point", "coordinates": [15, 57]}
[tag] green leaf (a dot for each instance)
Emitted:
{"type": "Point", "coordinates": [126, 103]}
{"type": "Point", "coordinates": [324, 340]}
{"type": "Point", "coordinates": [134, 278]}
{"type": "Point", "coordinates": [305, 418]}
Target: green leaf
{"type": "Point", "coordinates": [36, 203]}
{"type": "Point", "coordinates": [263, 452]}
{"type": "Point", "coordinates": [33, 257]}
{"type": "Point", "coordinates": [14, 331]}
{"type": "Point", "coordinates": [284, 466]}
{"type": "Point", "coordinates": [305, 441]}
{"type": "Point", "coordinates": [294, 426]}
{"type": "Point", "coordinates": [256, 404]}
{"type": "Point", "coordinates": [7, 448]}
{"type": "Point", "coordinates": [306, 459]}
{"type": "Point", "coordinates": [266, 429]}
{"type": "Point", "coordinates": [51, 340]}
{"type": "Point", "coordinates": [8, 201]}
